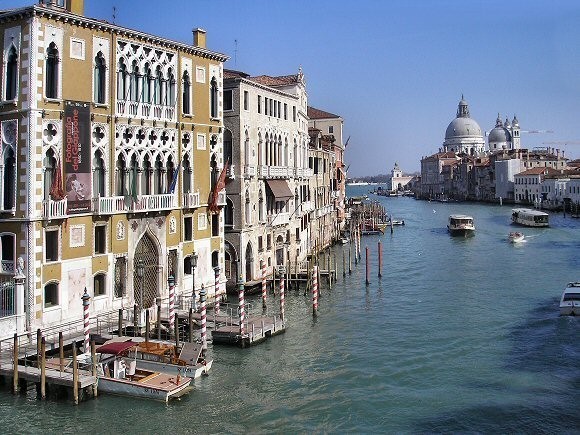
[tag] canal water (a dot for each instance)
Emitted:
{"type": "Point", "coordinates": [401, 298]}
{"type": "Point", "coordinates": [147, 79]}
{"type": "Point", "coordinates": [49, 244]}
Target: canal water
{"type": "Point", "coordinates": [459, 335]}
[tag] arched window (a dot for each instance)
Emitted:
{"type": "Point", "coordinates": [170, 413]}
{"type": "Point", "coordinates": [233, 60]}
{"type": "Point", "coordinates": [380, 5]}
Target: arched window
{"type": "Point", "coordinates": [186, 98]}
{"type": "Point", "coordinates": [266, 160]}
{"type": "Point", "coordinates": [52, 60]}
{"type": "Point", "coordinates": [98, 174]}
{"type": "Point", "coordinates": [186, 174]}
{"type": "Point", "coordinates": [228, 151]}
{"type": "Point", "coordinates": [260, 150]}
{"type": "Point", "coordinates": [120, 277]}
{"type": "Point", "coordinates": [134, 82]}
{"type": "Point", "coordinates": [9, 180]}
{"type": "Point", "coordinates": [11, 74]}
{"type": "Point", "coordinates": [49, 168]}
{"type": "Point", "coordinates": [8, 243]}
{"type": "Point", "coordinates": [147, 173]}
{"type": "Point", "coordinates": [214, 172]}
{"type": "Point", "coordinates": [169, 172]}
{"type": "Point", "coordinates": [100, 79]}
{"type": "Point", "coordinates": [133, 175]}
{"type": "Point", "coordinates": [158, 177]}
{"type": "Point", "coordinates": [171, 88]}
{"type": "Point", "coordinates": [51, 295]}
{"type": "Point", "coordinates": [248, 209]}
{"type": "Point", "coordinates": [247, 156]}
{"type": "Point", "coordinates": [214, 98]}
{"type": "Point", "coordinates": [147, 85]}
{"type": "Point", "coordinates": [286, 155]}
{"type": "Point", "coordinates": [261, 207]}
{"type": "Point", "coordinates": [157, 86]}
{"type": "Point", "coordinates": [121, 176]}
{"type": "Point", "coordinates": [229, 213]}
{"type": "Point", "coordinates": [122, 81]}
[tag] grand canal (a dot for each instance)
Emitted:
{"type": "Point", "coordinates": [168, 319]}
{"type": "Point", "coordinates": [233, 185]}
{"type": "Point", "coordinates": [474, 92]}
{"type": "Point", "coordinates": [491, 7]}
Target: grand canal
{"type": "Point", "coordinates": [458, 335]}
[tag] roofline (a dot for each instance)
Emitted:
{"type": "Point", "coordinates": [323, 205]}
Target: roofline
{"type": "Point", "coordinates": [40, 11]}
{"type": "Point", "coordinates": [250, 82]}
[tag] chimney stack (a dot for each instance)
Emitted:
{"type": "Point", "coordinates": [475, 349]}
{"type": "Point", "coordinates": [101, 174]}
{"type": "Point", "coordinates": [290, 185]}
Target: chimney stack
{"type": "Point", "coordinates": [199, 37]}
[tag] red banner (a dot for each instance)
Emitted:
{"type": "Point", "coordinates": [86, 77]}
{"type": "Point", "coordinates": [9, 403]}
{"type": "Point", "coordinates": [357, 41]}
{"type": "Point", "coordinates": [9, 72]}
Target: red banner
{"type": "Point", "coordinates": [77, 156]}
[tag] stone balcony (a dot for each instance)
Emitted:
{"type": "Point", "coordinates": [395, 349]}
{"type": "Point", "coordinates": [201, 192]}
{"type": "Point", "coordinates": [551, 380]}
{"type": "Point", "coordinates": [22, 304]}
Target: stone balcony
{"type": "Point", "coordinates": [191, 200]}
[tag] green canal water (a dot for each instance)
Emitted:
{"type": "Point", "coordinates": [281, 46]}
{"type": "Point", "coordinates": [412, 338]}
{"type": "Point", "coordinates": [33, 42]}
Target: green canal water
{"type": "Point", "coordinates": [459, 335]}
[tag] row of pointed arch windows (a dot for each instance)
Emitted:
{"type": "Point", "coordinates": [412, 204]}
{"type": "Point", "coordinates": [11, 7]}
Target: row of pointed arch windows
{"type": "Point", "coordinates": [145, 86]}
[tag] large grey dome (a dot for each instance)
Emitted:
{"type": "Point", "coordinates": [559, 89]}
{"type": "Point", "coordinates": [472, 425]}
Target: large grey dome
{"type": "Point", "coordinates": [462, 127]}
{"type": "Point", "coordinates": [499, 134]}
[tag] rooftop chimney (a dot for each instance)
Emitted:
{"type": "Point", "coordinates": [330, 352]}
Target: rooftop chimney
{"type": "Point", "coordinates": [199, 37]}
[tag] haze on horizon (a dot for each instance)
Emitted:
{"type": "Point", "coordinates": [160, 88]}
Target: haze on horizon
{"type": "Point", "coordinates": [394, 70]}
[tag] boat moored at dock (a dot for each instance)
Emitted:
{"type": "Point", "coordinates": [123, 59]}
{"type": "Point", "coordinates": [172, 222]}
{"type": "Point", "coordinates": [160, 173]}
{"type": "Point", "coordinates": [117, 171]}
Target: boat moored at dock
{"type": "Point", "coordinates": [530, 218]}
{"type": "Point", "coordinates": [570, 300]}
{"type": "Point", "coordinates": [461, 225]}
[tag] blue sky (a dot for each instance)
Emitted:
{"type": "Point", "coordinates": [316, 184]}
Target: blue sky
{"type": "Point", "coordinates": [394, 70]}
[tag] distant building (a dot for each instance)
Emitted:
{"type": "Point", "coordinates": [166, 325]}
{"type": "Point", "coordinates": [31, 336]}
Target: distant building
{"type": "Point", "coordinates": [463, 134]}
{"type": "Point", "coordinates": [398, 181]}
{"type": "Point", "coordinates": [527, 184]}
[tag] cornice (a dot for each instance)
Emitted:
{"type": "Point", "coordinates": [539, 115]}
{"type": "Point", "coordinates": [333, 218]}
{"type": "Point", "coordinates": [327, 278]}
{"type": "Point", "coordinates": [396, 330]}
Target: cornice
{"type": "Point", "coordinates": [104, 26]}
{"type": "Point", "coordinates": [260, 86]}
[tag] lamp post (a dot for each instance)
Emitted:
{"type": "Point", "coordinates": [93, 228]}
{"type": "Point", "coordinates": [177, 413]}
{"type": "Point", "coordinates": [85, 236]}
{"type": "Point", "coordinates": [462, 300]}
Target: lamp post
{"type": "Point", "coordinates": [193, 266]}
{"type": "Point", "coordinates": [140, 273]}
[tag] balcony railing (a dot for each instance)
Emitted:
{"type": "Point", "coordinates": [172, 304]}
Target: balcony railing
{"type": "Point", "coordinates": [191, 200]}
{"type": "Point", "coordinates": [275, 171]}
{"type": "Point", "coordinates": [279, 219]}
{"type": "Point", "coordinates": [54, 209]}
{"type": "Point", "coordinates": [249, 171]}
{"type": "Point", "coordinates": [144, 203]}
{"type": "Point", "coordinates": [307, 206]}
{"type": "Point", "coordinates": [308, 172]}
{"type": "Point", "coordinates": [145, 110]}
{"type": "Point", "coordinates": [7, 266]}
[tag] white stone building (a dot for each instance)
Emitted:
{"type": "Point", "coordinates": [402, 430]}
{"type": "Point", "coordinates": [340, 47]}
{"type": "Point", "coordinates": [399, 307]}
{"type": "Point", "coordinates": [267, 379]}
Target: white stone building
{"type": "Point", "coordinates": [463, 134]}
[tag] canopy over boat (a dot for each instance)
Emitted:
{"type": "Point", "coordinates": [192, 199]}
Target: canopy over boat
{"type": "Point", "coordinates": [115, 347]}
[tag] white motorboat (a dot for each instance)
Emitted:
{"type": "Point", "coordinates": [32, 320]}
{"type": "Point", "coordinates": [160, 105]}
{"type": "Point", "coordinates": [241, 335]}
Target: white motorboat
{"type": "Point", "coordinates": [461, 225]}
{"type": "Point", "coordinates": [120, 375]}
{"type": "Point", "coordinates": [516, 237]}
{"type": "Point", "coordinates": [530, 217]}
{"type": "Point", "coordinates": [570, 301]}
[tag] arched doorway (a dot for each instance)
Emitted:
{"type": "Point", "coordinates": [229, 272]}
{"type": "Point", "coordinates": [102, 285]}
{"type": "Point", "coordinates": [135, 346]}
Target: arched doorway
{"type": "Point", "coordinates": [231, 265]}
{"type": "Point", "coordinates": [146, 288]}
{"type": "Point", "coordinates": [279, 251]}
{"type": "Point", "coordinates": [249, 262]}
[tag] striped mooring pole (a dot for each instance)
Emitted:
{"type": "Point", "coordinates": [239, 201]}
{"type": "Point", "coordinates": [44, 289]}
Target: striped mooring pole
{"type": "Point", "coordinates": [314, 290]}
{"type": "Point", "coordinates": [171, 282]}
{"type": "Point", "coordinates": [216, 290]}
{"type": "Point", "coordinates": [367, 281]}
{"type": "Point", "coordinates": [380, 259]}
{"type": "Point", "coordinates": [264, 284]}
{"type": "Point", "coordinates": [202, 295]}
{"type": "Point", "coordinates": [241, 306]}
{"type": "Point", "coordinates": [85, 298]}
{"type": "Point", "coordinates": [282, 299]}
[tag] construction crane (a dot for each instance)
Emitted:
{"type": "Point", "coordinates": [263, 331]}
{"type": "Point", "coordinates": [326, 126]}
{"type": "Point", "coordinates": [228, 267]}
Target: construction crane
{"type": "Point", "coordinates": [537, 131]}
{"type": "Point", "coordinates": [563, 142]}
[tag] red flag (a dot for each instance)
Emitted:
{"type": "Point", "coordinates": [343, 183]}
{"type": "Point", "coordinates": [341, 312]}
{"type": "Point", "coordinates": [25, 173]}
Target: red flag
{"type": "Point", "coordinates": [221, 183]}
{"type": "Point", "coordinates": [56, 190]}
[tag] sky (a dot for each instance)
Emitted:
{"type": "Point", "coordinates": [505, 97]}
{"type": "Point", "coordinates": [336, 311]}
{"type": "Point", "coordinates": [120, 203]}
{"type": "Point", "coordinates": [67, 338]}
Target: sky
{"type": "Point", "coordinates": [394, 70]}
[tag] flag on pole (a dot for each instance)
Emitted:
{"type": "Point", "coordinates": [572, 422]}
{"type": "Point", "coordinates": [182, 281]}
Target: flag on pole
{"type": "Point", "coordinates": [174, 180]}
{"type": "Point", "coordinates": [56, 190]}
{"type": "Point", "coordinates": [220, 184]}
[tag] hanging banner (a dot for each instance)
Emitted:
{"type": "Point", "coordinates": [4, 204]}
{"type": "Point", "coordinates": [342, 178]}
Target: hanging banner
{"type": "Point", "coordinates": [77, 156]}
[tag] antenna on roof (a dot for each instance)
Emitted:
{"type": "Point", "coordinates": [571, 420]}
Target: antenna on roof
{"type": "Point", "coordinates": [114, 13]}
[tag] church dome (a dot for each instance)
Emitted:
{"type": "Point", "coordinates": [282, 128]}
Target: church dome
{"type": "Point", "coordinates": [462, 127]}
{"type": "Point", "coordinates": [499, 134]}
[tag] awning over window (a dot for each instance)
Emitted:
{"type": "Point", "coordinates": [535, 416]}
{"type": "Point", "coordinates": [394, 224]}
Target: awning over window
{"type": "Point", "coordinates": [280, 189]}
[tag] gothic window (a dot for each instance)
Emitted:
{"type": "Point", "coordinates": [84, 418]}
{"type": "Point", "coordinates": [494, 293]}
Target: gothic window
{"type": "Point", "coordinates": [158, 177]}
{"type": "Point", "coordinates": [214, 98]}
{"type": "Point", "coordinates": [100, 285]}
{"type": "Point", "coordinates": [186, 94]}
{"type": "Point", "coordinates": [248, 209]}
{"type": "Point", "coordinates": [229, 213]}
{"type": "Point", "coordinates": [172, 85]}
{"type": "Point", "coordinates": [98, 174]}
{"type": "Point", "coordinates": [121, 175]}
{"type": "Point", "coordinates": [157, 86]}
{"type": "Point", "coordinates": [247, 148]}
{"type": "Point", "coordinates": [170, 173]}
{"type": "Point", "coordinates": [228, 152]}
{"type": "Point", "coordinates": [261, 207]}
{"type": "Point", "coordinates": [7, 242]}
{"type": "Point", "coordinates": [100, 79]}
{"type": "Point", "coordinates": [147, 174]}
{"type": "Point", "coordinates": [9, 180]}
{"type": "Point", "coordinates": [122, 81]}
{"type": "Point", "coordinates": [133, 175]}
{"type": "Point", "coordinates": [134, 83]}
{"type": "Point", "coordinates": [120, 277]}
{"type": "Point", "coordinates": [186, 175]}
{"type": "Point", "coordinates": [147, 85]}
{"type": "Point", "coordinates": [51, 295]}
{"type": "Point", "coordinates": [213, 171]}
{"type": "Point", "coordinates": [49, 168]}
{"type": "Point", "coordinates": [52, 61]}
{"type": "Point", "coordinates": [11, 74]}
{"type": "Point", "coordinates": [260, 150]}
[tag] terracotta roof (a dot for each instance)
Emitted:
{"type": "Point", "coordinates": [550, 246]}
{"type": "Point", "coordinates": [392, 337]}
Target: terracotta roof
{"type": "Point", "coordinates": [540, 171]}
{"type": "Point", "coordinates": [314, 113]}
{"type": "Point", "coordinates": [275, 81]}
{"type": "Point", "coordinates": [233, 74]}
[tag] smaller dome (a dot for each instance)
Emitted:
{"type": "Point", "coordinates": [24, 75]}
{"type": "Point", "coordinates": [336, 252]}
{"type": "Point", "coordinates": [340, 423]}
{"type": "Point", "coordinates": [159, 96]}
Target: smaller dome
{"type": "Point", "coordinates": [499, 134]}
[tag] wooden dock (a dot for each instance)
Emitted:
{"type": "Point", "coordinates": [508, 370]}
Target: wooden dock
{"type": "Point", "coordinates": [53, 377]}
{"type": "Point", "coordinates": [257, 329]}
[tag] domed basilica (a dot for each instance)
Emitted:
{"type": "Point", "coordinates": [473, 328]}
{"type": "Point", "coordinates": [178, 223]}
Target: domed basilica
{"type": "Point", "coordinates": [463, 135]}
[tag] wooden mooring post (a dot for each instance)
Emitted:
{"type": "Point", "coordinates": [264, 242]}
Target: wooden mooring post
{"type": "Point", "coordinates": [61, 351]}
{"type": "Point", "coordinates": [367, 267]}
{"type": "Point", "coordinates": [147, 326]}
{"type": "Point", "coordinates": [94, 367]}
{"type": "Point", "coordinates": [75, 374]}
{"type": "Point", "coordinates": [15, 365]}
{"type": "Point", "coordinates": [380, 248]}
{"type": "Point", "coordinates": [120, 325]}
{"type": "Point", "coordinates": [43, 368]}
{"type": "Point", "coordinates": [190, 319]}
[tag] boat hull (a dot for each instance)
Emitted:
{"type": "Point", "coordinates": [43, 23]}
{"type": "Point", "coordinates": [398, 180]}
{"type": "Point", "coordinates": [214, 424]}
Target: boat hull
{"type": "Point", "coordinates": [190, 371]}
{"type": "Point", "coordinates": [461, 232]}
{"type": "Point", "coordinates": [124, 387]}
{"type": "Point", "coordinates": [570, 308]}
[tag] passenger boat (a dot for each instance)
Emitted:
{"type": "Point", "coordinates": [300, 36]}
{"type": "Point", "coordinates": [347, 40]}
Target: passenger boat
{"type": "Point", "coordinates": [119, 375]}
{"type": "Point", "coordinates": [570, 301]}
{"type": "Point", "coordinates": [530, 217]}
{"type": "Point", "coordinates": [461, 225]}
{"type": "Point", "coordinates": [396, 222]}
{"type": "Point", "coordinates": [516, 237]}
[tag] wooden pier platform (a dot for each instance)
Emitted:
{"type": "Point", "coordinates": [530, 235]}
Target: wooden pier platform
{"type": "Point", "coordinates": [53, 377]}
{"type": "Point", "coordinates": [257, 329]}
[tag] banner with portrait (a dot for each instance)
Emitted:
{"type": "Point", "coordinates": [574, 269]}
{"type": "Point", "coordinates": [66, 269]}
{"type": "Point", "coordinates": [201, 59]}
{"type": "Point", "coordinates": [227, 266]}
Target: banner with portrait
{"type": "Point", "coordinates": [77, 156]}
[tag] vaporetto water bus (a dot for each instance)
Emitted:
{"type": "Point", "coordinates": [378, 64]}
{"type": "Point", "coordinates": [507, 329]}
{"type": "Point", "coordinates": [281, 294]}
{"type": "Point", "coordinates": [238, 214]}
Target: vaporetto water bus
{"type": "Point", "coordinates": [530, 217]}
